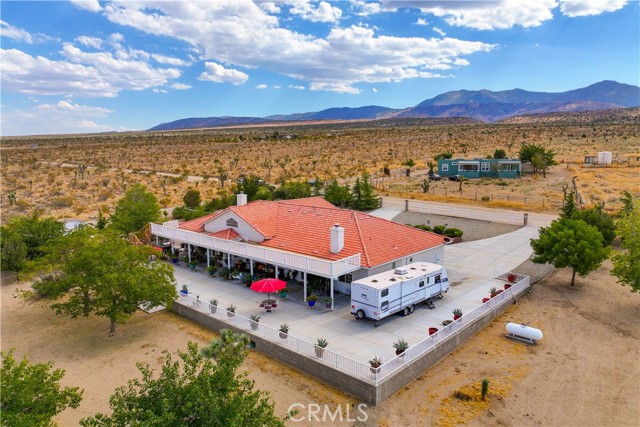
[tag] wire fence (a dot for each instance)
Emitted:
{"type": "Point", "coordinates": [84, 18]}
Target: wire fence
{"type": "Point", "coordinates": [346, 364]}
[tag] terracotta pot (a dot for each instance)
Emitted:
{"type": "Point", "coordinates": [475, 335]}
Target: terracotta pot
{"type": "Point", "coordinates": [433, 331]}
{"type": "Point", "coordinates": [507, 286]}
{"type": "Point", "coordinates": [485, 299]}
{"type": "Point", "coordinates": [456, 317]}
{"type": "Point", "coordinates": [511, 277]}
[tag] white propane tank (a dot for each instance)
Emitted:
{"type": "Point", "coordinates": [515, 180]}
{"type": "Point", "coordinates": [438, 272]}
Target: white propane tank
{"type": "Point", "coordinates": [517, 330]}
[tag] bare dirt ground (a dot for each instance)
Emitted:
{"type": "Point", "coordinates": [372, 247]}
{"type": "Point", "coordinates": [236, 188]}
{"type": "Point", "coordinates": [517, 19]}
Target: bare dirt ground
{"type": "Point", "coordinates": [584, 372]}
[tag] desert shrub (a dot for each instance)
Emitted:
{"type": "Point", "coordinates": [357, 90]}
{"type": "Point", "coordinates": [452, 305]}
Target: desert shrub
{"type": "Point", "coordinates": [502, 183]}
{"type": "Point", "coordinates": [62, 202]}
{"type": "Point", "coordinates": [423, 227]}
{"type": "Point", "coordinates": [104, 195]}
{"type": "Point", "coordinates": [486, 198]}
{"type": "Point", "coordinates": [439, 229]}
{"type": "Point", "coordinates": [453, 232]}
{"type": "Point", "coordinates": [22, 205]}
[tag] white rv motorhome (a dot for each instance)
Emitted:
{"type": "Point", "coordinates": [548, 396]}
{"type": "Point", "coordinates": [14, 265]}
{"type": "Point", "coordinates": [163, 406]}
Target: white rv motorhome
{"type": "Point", "coordinates": [399, 290]}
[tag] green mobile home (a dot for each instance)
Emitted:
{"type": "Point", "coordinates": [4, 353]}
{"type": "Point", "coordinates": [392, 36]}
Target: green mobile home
{"type": "Point", "coordinates": [480, 168]}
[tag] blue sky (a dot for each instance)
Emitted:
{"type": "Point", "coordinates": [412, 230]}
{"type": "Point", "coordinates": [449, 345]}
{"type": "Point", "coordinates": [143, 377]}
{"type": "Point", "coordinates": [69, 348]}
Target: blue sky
{"type": "Point", "coordinates": [90, 66]}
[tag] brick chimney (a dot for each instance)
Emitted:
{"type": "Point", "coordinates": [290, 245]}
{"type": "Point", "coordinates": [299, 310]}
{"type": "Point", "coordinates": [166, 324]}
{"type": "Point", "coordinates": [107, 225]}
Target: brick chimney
{"type": "Point", "coordinates": [241, 199]}
{"type": "Point", "coordinates": [337, 239]}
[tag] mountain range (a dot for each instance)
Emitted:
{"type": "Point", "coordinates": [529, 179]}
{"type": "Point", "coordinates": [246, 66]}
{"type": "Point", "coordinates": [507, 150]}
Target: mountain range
{"type": "Point", "coordinates": [483, 105]}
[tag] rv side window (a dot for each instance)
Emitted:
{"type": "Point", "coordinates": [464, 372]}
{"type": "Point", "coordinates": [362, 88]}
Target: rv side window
{"type": "Point", "coordinates": [364, 297]}
{"type": "Point", "coordinates": [385, 292]}
{"type": "Point", "coordinates": [421, 284]}
{"type": "Point", "coordinates": [384, 306]}
{"type": "Point", "coordinates": [438, 278]}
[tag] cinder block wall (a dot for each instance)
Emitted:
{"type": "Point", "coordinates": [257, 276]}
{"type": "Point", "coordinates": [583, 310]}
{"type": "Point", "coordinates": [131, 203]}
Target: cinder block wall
{"type": "Point", "coordinates": [361, 388]}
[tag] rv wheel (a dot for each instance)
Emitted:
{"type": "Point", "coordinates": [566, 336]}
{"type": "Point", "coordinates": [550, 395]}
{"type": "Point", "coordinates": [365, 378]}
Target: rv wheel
{"type": "Point", "coordinates": [412, 308]}
{"type": "Point", "coordinates": [440, 296]}
{"type": "Point", "coordinates": [360, 314]}
{"type": "Point", "coordinates": [406, 311]}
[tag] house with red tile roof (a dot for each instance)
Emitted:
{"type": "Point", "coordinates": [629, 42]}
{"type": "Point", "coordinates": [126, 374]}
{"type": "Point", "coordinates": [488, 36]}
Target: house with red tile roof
{"type": "Point", "coordinates": [308, 236]}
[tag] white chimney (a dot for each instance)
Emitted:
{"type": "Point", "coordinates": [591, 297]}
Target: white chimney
{"type": "Point", "coordinates": [241, 199]}
{"type": "Point", "coordinates": [337, 239]}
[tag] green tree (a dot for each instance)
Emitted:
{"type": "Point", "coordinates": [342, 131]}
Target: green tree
{"type": "Point", "coordinates": [101, 224]}
{"type": "Point", "coordinates": [13, 251]}
{"type": "Point", "coordinates": [499, 154]}
{"type": "Point", "coordinates": [409, 163]}
{"type": "Point", "coordinates": [196, 392]}
{"type": "Point", "coordinates": [31, 393]}
{"type": "Point", "coordinates": [192, 199]}
{"type": "Point", "coordinates": [293, 190]}
{"type": "Point", "coordinates": [627, 201]}
{"type": "Point", "coordinates": [626, 262]}
{"type": "Point", "coordinates": [445, 155]}
{"type": "Point", "coordinates": [568, 205]}
{"type": "Point", "coordinates": [35, 232]}
{"type": "Point", "coordinates": [570, 243]}
{"type": "Point", "coordinates": [597, 217]}
{"type": "Point", "coordinates": [137, 208]}
{"type": "Point", "coordinates": [538, 156]}
{"type": "Point", "coordinates": [339, 195]}
{"type": "Point", "coordinates": [362, 193]}
{"type": "Point", "coordinates": [101, 273]}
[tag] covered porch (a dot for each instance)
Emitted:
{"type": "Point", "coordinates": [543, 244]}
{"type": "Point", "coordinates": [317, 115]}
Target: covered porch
{"type": "Point", "coordinates": [257, 261]}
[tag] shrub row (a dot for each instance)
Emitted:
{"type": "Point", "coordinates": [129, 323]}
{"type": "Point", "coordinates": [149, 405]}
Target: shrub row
{"type": "Point", "coordinates": [442, 230]}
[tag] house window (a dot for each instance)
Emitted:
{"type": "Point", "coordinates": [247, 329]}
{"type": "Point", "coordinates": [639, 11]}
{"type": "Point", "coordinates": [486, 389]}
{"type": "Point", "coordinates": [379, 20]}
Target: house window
{"type": "Point", "coordinates": [385, 292]}
{"type": "Point", "coordinates": [445, 167]}
{"type": "Point", "coordinates": [232, 223]}
{"type": "Point", "coordinates": [485, 166]}
{"type": "Point", "coordinates": [346, 278]}
{"type": "Point", "coordinates": [454, 163]}
{"type": "Point", "coordinates": [507, 167]}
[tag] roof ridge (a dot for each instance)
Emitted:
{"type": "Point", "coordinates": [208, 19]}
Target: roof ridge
{"type": "Point", "coordinates": [364, 247]}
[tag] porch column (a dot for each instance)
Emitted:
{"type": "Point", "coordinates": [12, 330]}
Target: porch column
{"type": "Point", "coordinates": [332, 294]}
{"type": "Point", "coordinates": [229, 261]}
{"type": "Point", "coordinates": [189, 251]}
{"type": "Point", "coordinates": [157, 241]}
{"type": "Point", "coordinates": [251, 266]}
{"type": "Point", "coordinates": [304, 280]}
{"type": "Point", "coordinates": [276, 271]}
{"type": "Point", "coordinates": [208, 257]}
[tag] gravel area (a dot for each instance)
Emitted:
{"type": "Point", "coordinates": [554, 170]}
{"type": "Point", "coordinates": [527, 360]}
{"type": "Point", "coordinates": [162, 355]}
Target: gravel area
{"type": "Point", "coordinates": [536, 272]}
{"type": "Point", "coordinates": [473, 229]}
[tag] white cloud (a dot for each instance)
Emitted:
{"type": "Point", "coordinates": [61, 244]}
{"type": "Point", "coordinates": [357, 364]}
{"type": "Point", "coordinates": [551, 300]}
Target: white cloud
{"type": "Point", "coordinates": [374, 90]}
{"type": "Point", "coordinates": [269, 7]}
{"type": "Point", "coordinates": [218, 74]}
{"type": "Point", "coordinates": [573, 8]}
{"type": "Point", "coordinates": [158, 90]}
{"type": "Point", "coordinates": [422, 21]}
{"type": "Point", "coordinates": [439, 31]}
{"type": "Point", "coordinates": [169, 60]}
{"type": "Point", "coordinates": [8, 30]}
{"type": "Point", "coordinates": [62, 117]}
{"type": "Point", "coordinates": [277, 87]}
{"type": "Point", "coordinates": [364, 8]}
{"type": "Point", "coordinates": [296, 87]}
{"type": "Point", "coordinates": [325, 12]}
{"type": "Point", "coordinates": [241, 34]}
{"type": "Point", "coordinates": [90, 41]}
{"type": "Point", "coordinates": [261, 86]}
{"type": "Point", "coordinates": [90, 5]}
{"type": "Point", "coordinates": [180, 86]}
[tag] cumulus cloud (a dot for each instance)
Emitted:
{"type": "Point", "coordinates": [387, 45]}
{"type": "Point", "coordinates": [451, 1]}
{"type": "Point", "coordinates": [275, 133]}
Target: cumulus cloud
{"type": "Point", "coordinates": [261, 86]}
{"type": "Point", "coordinates": [65, 116]}
{"type": "Point", "coordinates": [241, 34]}
{"type": "Point", "coordinates": [90, 5]}
{"type": "Point", "coordinates": [422, 21]}
{"type": "Point", "coordinates": [325, 12]}
{"type": "Point", "coordinates": [15, 33]}
{"type": "Point", "coordinates": [218, 74]}
{"type": "Point", "coordinates": [296, 87]}
{"type": "Point", "coordinates": [439, 31]}
{"type": "Point", "coordinates": [180, 86]}
{"type": "Point", "coordinates": [364, 8]}
{"type": "Point", "coordinates": [90, 41]}
{"type": "Point", "coordinates": [575, 8]}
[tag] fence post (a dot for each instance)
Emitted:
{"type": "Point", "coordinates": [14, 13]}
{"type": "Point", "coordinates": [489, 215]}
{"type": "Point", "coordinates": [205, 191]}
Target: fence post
{"type": "Point", "coordinates": [526, 219]}
{"type": "Point", "coordinates": [406, 205]}
{"type": "Point", "coordinates": [380, 202]}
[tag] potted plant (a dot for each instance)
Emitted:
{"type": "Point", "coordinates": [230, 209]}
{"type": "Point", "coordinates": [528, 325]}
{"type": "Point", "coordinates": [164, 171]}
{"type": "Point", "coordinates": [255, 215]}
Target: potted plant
{"type": "Point", "coordinates": [457, 313]}
{"type": "Point", "coordinates": [247, 280]}
{"type": "Point", "coordinates": [433, 331]}
{"type": "Point", "coordinates": [321, 343]}
{"type": "Point", "coordinates": [231, 310]}
{"type": "Point", "coordinates": [185, 290]}
{"type": "Point", "coordinates": [212, 270]}
{"type": "Point", "coordinates": [485, 300]}
{"type": "Point", "coordinates": [174, 258]}
{"type": "Point", "coordinates": [283, 292]}
{"type": "Point", "coordinates": [507, 286]}
{"type": "Point", "coordinates": [511, 277]}
{"type": "Point", "coordinates": [327, 303]}
{"type": "Point", "coordinates": [400, 345]}
{"type": "Point", "coordinates": [493, 292]}
{"type": "Point", "coordinates": [224, 273]}
{"type": "Point", "coordinates": [375, 364]}
{"type": "Point", "coordinates": [254, 321]}
{"type": "Point", "coordinates": [192, 265]}
{"type": "Point", "coordinates": [284, 330]}
{"type": "Point", "coordinates": [213, 305]}
{"type": "Point", "coordinates": [311, 300]}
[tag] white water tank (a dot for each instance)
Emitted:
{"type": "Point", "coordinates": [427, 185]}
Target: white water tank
{"type": "Point", "coordinates": [524, 331]}
{"type": "Point", "coordinates": [605, 157]}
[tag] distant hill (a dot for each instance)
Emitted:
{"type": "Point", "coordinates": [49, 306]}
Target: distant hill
{"type": "Point", "coordinates": [615, 116]}
{"type": "Point", "coordinates": [483, 105]}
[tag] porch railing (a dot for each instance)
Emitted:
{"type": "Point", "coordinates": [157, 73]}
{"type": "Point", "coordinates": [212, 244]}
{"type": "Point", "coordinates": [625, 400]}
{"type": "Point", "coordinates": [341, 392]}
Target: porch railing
{"type": "Point", "coordinates": [312, 265]}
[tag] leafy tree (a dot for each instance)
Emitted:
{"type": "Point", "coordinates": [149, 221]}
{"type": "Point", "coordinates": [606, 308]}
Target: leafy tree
{"type": "Point", "coordinates": [137, 208]}
{"type": "Point", "coordinates": [601, 220]}
{"type": "Point", "coordinates": [499, 154]}
{"type": "Point", "coordinates": [101, 273]}
{"type": "Point", "coordinates": [363, 197]}
{"type": "Point", "coordinates": [35, 232]}
{"type": "Point", "coordinates": [102, 221]}
{"type": "Point", "coordinates": [446, 155]}
{"type": "Point", "coordinates": [409, 163]}
{"type": "Point", "coordinates": [31, 393]}
{"type": "Point", "coordinates": [627, 201]}
{"type": "Point", "coordinates": [317, 186]}
{"type": "Point", "coordinates": [626, 263]}
{"type": "Point", "coordinates": [196, 392]}
{"type": "Point", "coordinates": [192, 199]}
{"type": "Point", "coordinates": [570, 243]}
{"type": "Point", "coordinates": [250, 186]}
{"type": "Point", "coordinates": [13, 251]}
{"type": "Point", "coordinates": [293, 190]}
{"type": "Point", "coordinates": [339, 195]}
{"type": "Point", "coordinates": [539, 157]}
{"type": "Point", "coordinates": [568, 205]}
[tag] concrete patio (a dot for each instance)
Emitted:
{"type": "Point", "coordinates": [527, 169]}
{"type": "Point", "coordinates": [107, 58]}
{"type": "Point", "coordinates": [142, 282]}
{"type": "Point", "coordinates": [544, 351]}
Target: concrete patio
{"type": "Point", "coordinates": [471, 267]}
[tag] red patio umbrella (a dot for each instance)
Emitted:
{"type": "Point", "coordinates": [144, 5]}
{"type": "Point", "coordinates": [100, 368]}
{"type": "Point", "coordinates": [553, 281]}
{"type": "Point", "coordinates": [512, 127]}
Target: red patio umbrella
{"type": "Point", "coordinates": [268, 285]}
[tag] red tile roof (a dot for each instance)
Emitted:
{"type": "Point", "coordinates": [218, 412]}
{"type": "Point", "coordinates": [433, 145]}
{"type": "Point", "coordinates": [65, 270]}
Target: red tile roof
{"type": "Point", "coordinates": [303, 226]}
{"type": "Point", "coordinates": [198, 223]}
{"type": "Point", "coordinates": [228, 234]}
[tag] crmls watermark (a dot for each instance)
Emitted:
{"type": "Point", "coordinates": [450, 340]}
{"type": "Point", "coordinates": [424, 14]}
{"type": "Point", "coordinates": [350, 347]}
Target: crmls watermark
{"type": "Point", "coordinates": [299, 412]}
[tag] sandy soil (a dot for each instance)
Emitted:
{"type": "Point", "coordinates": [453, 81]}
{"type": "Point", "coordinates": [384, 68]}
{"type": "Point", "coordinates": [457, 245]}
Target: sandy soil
{"type": "Point", "coordinates": [584, 372]}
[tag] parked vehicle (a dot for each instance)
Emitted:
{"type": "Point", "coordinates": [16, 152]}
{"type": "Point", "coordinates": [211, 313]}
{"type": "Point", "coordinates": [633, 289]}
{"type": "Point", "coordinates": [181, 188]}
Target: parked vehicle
{"type": "Point", "coordinates": [399, 290]}
{"type": "Point", "coordinates": [455, 177]}
{"type": "Point", "coordinates": [434, 177]}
